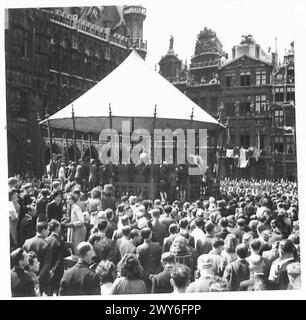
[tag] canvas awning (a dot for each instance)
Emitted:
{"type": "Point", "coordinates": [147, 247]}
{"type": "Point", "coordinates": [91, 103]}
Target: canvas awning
{"type": "Point", "coordinates": [132, 90]}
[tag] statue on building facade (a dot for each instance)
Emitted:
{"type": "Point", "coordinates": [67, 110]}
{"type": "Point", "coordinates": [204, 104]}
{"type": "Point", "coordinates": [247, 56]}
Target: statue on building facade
{"type": "Point", "coordinates": [237, 108]}
{"type": "Point", "coordinates": [171, 43]}
{"type": "Point", "coordinates": [247, 39]}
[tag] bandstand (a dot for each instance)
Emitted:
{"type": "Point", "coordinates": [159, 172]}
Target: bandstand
{"type": "Point", "coordinates": [126, 108]}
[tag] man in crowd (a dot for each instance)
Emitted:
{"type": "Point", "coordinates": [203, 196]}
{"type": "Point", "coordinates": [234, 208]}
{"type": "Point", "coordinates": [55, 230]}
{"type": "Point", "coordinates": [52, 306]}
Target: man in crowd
{"type": "Point", "coordinates": [80, 280]}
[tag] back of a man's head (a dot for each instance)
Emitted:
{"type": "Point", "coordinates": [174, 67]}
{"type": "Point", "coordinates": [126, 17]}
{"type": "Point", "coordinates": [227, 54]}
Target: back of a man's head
{"type": "Point", "coordinates": [223, 222]}
{"type": "Point", "coordinates": [146, 233]}
{"type": "Point", "coordinates": [173, 228]}
{"type": "Point", "coordinates": [205, 262]}
{"type": "Point", "coordinates": [168, 209]}
{"type": "Point", "coordinates": [199, 222]}
{"type": "Point", "coordinates": [257, 264]}
{"type": "Point", "coordinates": [167, 258]}
{"type": "Point", "coordinates": [183, 223]}
{"type": "Point", "coordinates": [286, 246]}
{"type": "Point", "coordinates": [102, 225]}
{"type": "Point", "coordinates": [155, 213]}
{"type": "Point", "coordinates": [242, 251]}
{"type": "Point", "coordinates": [255, 244]}
{"type": "Point", "coordinates": [134, 233]}
{"type": "Point", "coordinates": [41, 226]}
{"type": "Point", "coordinates": [82, 249]}
{"type": "Point", "coordinates": [209, 227]}
{"type": "Point", "coordinates": [180, 275]}
{"type": "Point", "coordinates": [126, 230]}
{"type": "Point", "coordinates": [217, 243]}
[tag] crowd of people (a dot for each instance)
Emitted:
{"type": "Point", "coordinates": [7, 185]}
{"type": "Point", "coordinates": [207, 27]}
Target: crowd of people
{"type": "Point", "coordinates": [64, 241]}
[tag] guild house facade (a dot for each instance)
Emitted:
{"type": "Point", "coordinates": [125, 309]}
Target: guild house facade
{"type": "Point", "coordinates": [250, 90]}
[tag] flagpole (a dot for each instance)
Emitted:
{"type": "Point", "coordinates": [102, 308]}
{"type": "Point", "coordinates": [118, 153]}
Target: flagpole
{"type": "Point", "coordinates": [50, 142]}
{"type": "Point", "coordinates": [110, 116]}
{"type": "Point", "coordinates": [222, 145]}
{"type": "Point", "coordinates": [41, 143]}
{"type": "Point", "coordinates": [74, 136]}
{"type": "Point", "coordinates": [152, 154]}
{"type": "Point", "coordinates": [89, 138]}
{"type": "Point", "coordinates": [67, 149]}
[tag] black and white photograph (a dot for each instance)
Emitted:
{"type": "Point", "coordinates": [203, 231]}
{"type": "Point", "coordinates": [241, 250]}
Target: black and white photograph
{"type": "Point", "coordinates": [150, 149]}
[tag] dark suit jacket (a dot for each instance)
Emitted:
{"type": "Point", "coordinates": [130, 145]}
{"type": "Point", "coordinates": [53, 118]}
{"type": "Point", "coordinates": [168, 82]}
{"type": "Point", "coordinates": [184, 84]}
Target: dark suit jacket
{"type": "Point", "coordinates": [57, 250]}
{"type": "Point", "coordinates": [203, 246]}
{"type": "Point", "coordinates": [21, 284]}
{"type": "Point", "coordinates": [161, 282]}
{"type": "Point", "coordinates": [80, 280]}
{"type": "Point", "coordinates": [167, 242]}
{"type": "Point", "coordinates": [159, 232]}
{"type": "Point", "coordinates": [53, 211]}
{"type": "Point", "coordinates": [42, 249]}
{"type": "Point", "coordinates": [236, 272]}
{"type": "Point", "coordinates": [41, 205]}
{"type": "Point", "coordinates": [149, 256]}
{"type": "Point", "coordinates": [27, 229]}
{"type": "Point", "coordinates": [258, 279]}
{"type": "Point", "coordinates": [222, 234]}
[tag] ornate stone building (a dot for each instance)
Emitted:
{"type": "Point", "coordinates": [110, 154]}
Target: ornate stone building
{"type": "Point", "coordinates": [250, 89]}
{"type": "Point", "coordinates": [53, 55]}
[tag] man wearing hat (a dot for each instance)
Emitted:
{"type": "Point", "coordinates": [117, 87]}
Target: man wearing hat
{"type": "Point", "coordinates": [205, 267]}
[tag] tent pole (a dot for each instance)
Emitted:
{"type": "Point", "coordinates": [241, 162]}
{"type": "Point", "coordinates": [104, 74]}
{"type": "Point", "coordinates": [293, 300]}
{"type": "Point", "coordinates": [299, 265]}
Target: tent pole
{"type": "Point", "coordinates": [89, 138]}
{"type": "Point", "coordinates": [67, 149]}
{"type": "Point", "coordinates": [50, 143]}
{"type": "Point", "coordinates": [74, 137]}
{"type": "Point", "coordinates": [110, 116]}
{"type": "Point", "coordinates": [188, 177]}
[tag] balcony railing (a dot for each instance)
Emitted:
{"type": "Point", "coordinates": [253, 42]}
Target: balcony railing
{"type": "Point", "coordinates": [134, 9]}
{"type": "Point", "coordinates": [198, 65]}
{"type": "Point", "coordinates": [72, 22]}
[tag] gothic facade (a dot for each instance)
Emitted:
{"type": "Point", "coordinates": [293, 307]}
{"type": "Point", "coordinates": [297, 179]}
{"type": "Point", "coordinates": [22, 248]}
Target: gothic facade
{"type": "Point", "coordinates": [53, 55]}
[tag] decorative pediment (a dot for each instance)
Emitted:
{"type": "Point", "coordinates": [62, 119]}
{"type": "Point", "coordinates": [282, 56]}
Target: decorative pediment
{"type": "Point", "coordinates": [244, 61]}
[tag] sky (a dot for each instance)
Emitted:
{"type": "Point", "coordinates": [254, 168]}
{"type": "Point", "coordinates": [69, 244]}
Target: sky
{"type": "Point", "coordinates": [265, 20]}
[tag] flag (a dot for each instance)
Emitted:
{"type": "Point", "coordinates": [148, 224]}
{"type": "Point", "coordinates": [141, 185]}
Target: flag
{"type": "Point", "coordinates": [229, 142]}
{"type": "Point", "coordinates": [243, 161]}
{"type": "Point", "coordinates": [257, 152]}
{"type": "Point", "coordinates": [229, 153]}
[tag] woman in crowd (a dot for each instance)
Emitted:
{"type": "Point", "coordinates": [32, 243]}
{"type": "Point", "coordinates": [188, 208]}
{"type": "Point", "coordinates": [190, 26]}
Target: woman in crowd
{"type": "Point", "coordinates": [130, 280]}
{"type": "Point", "coordinates": [106, 271]}
{"type": "Point", "coordinates": [76, 228]}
